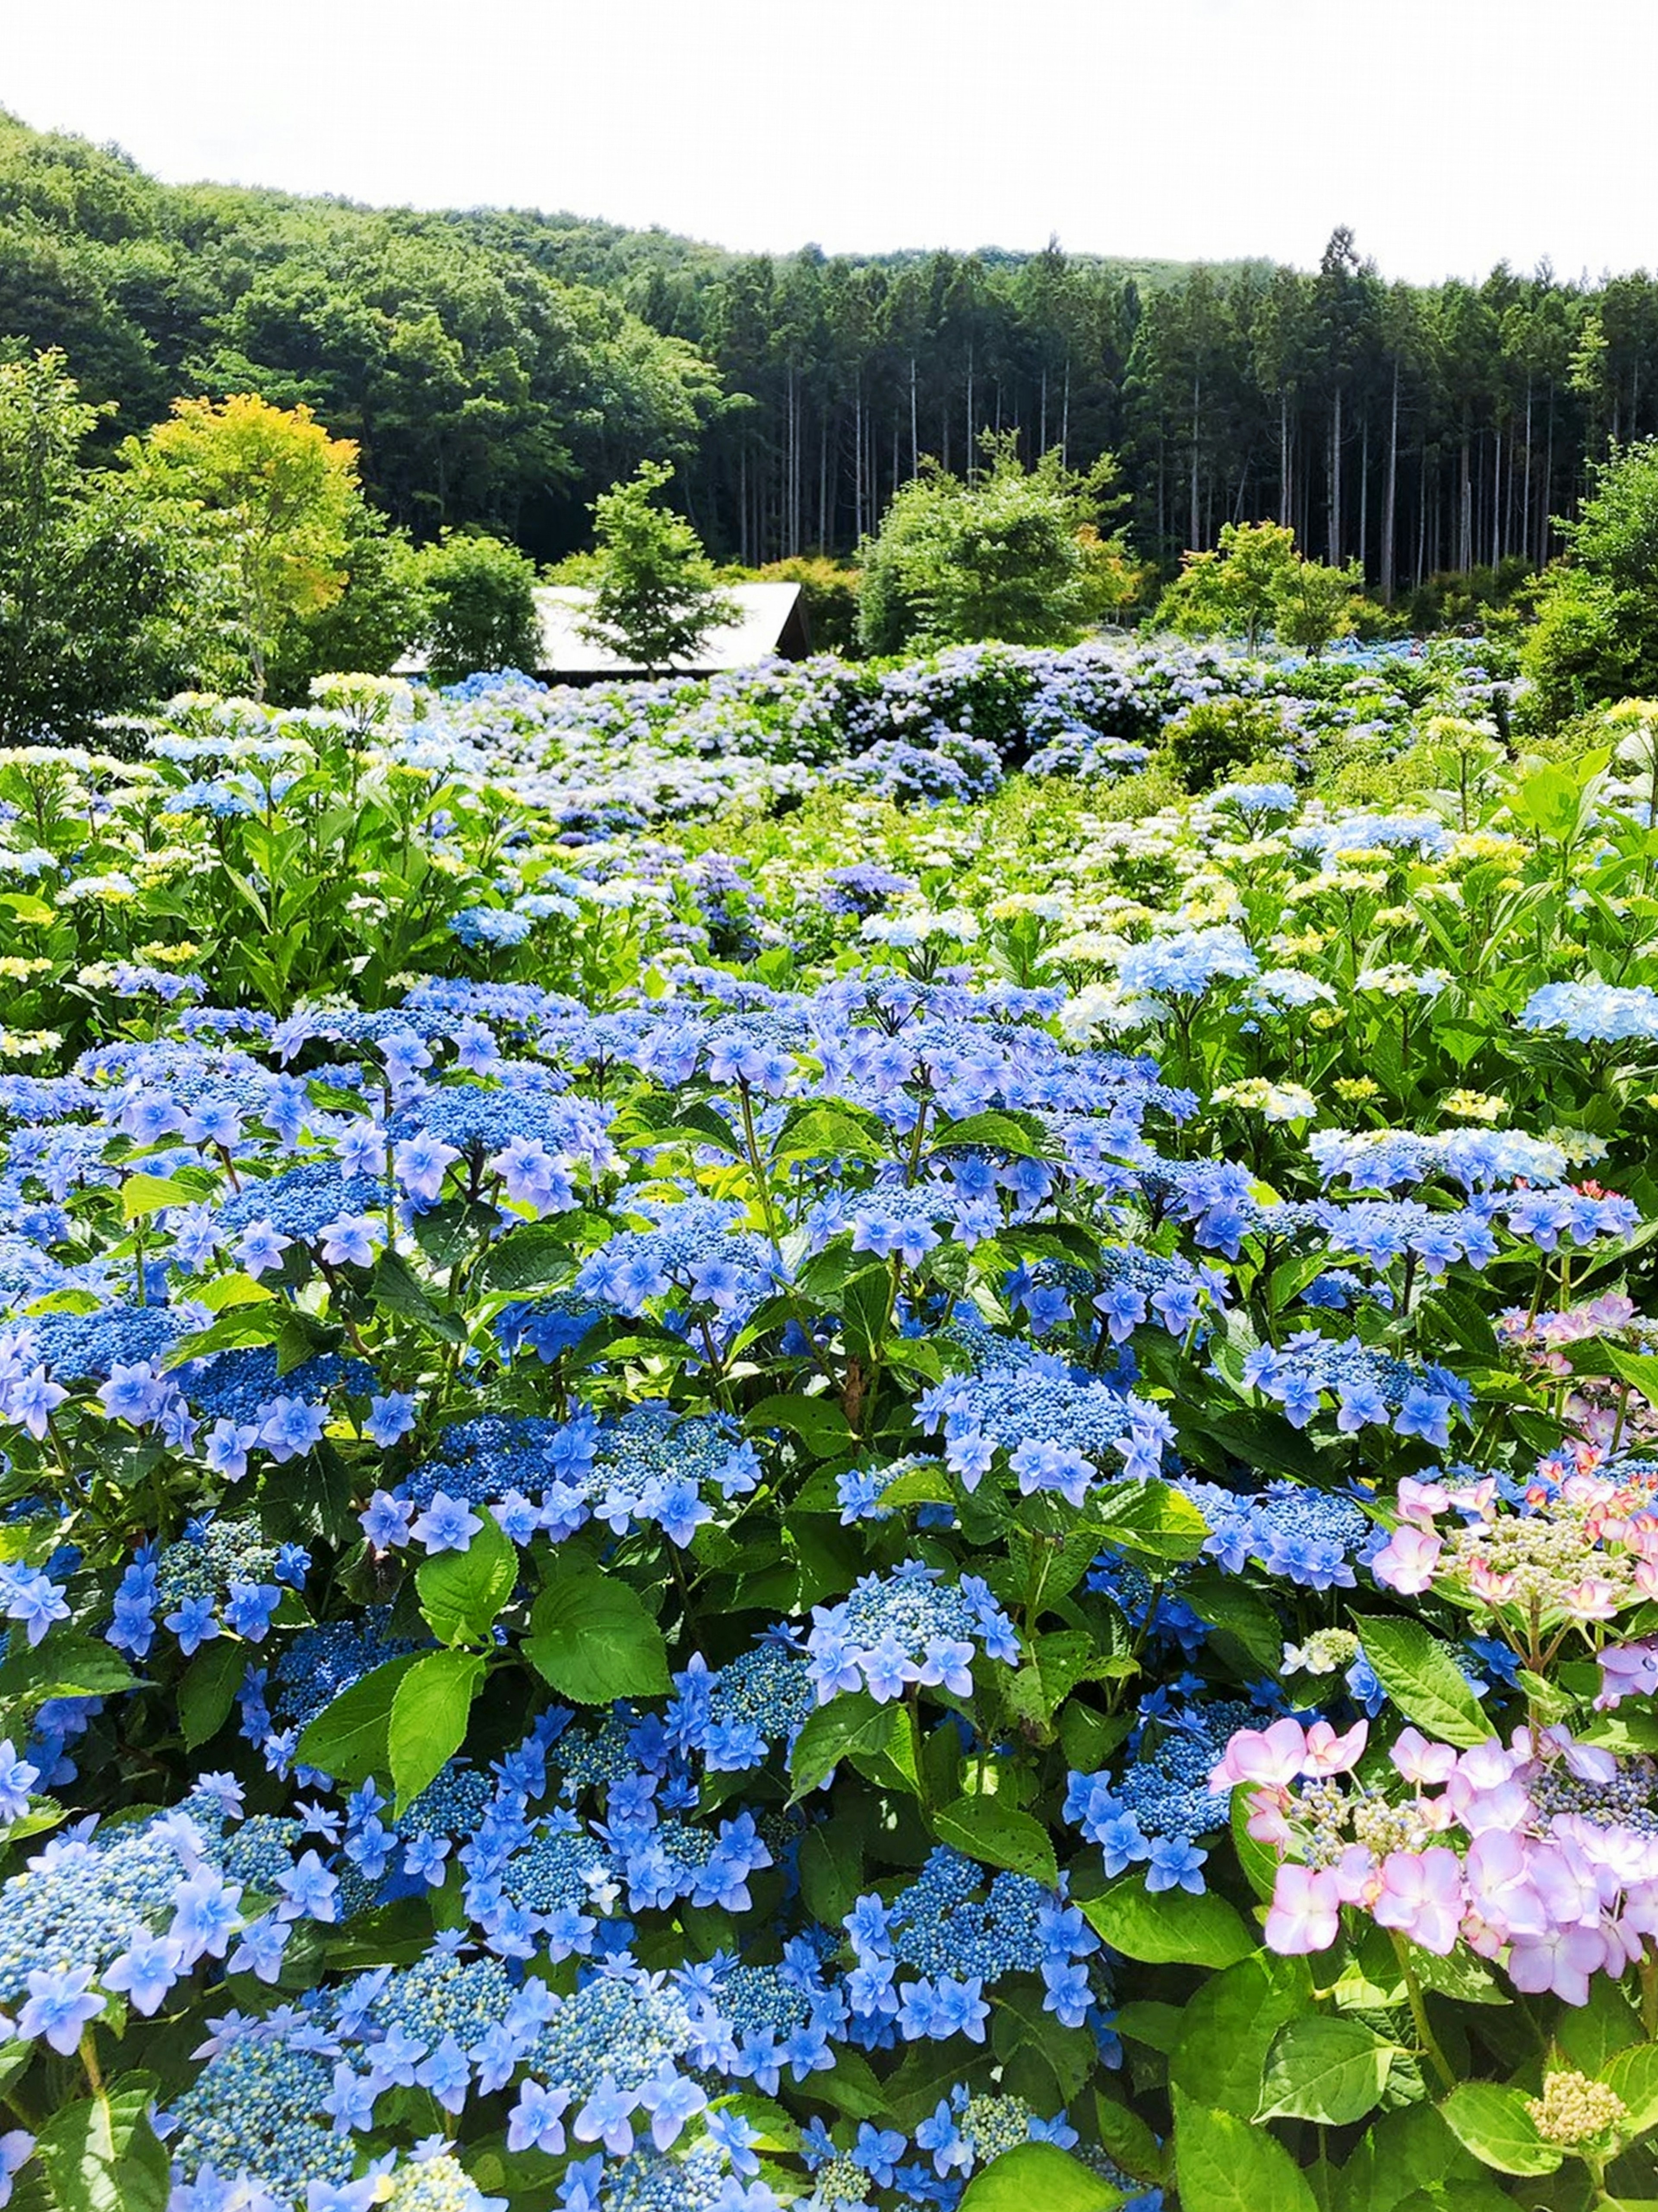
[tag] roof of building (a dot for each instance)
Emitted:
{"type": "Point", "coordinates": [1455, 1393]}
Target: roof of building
{"type": "Point", "coordinates": [770, 621]}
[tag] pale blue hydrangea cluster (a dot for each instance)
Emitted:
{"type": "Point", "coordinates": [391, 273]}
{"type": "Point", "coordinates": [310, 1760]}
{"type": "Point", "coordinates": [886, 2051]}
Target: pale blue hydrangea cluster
{"type": "Point", "coordinates": [1592, 1011]}
{"type": "Point", "coordinates": [926, 1957]}
{"type": "Point", "coordinates": [911, 1627]}
{"type": "Point", "coordinates": [1055, 1427]}
{"type": "Point", "coordinates": [1312, 1538]}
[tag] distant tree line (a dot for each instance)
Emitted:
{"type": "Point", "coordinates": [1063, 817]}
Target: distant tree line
{"type": "Point", "coordinates": [499, 369]}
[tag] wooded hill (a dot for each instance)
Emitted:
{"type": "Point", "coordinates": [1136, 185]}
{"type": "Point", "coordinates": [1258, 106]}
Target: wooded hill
{"type": "Point", "coordinates": [501, 367]}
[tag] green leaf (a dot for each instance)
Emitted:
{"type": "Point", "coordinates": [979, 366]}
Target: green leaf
{"type": "Point", "coordinates": [1159, 2026]}
{"type": "Point", "coordinates": [1171, 1926]}
{"type": "Point", "coordinates": [348, 1738]}
{"type": "Point", "coordinates": [1591, 2035]}
{"type": "Point", "coordinates": [831, 1871]}
{"type": "Point", "coordinates": [830, 1133]}
{"type": "Point", "coordinates": [1259, 1861]}
{"type": "Point", "coordinates": [818, 1422]}
{"type": "Point", "coordinates": [1633, 2075]}
{"type": "Point", "coordinates": [64, 1666]}
{"type": "Point", "coordinates": [462, 1592]}
{"type": "Point", "coordinates": [834, 1732]}
{"type": "Point", "coordinates": [1051, 2062]}
{"type": "Point", "coordinates": [1226, 2163]}
{"type": "Point", "coordinates": [1148, 1517]}
{"type": "Point", "coordinates": [1021, 1135]}
{"type": "Point", "coordinates": [1236, 1610]}
{"type": "Point", "coordinates": [1419, 1674]}
{"type": "Point", "coordinates": [1638, 1368]}
{"type": "Point", "coordinates": [1406, 2152]}
{"type": "Point", "coordinates": [208, 1689]}
{"type": "Point", "coordinates": [243, 1325]}
{"type": "Point", "coordinates": [1229, 2028]}
{"type": "Point", "coordinates": [102, 2155]}
{"type": "Point", "coordinates": [144, 1194]}
{"type": "Point", "coordinates": [1332, 2070]}
{"type": "Point", "coordinates": [39, 913]}
{"type": "Point", "coordinates": [1494, 2124]}
{"type": "Point", "coordinates": [999, 1836]}
{"type": "Point", "coordinates": [851, 2086]}
{"type": "Point", "coordinates": [430, 1708]}
{"type": "Point", "coordinates": [226, 1292]}
{"type": "Point", "coordinates": [930, 1484]}
{"type": "Point", "coordinates": [1034, 2174]}
{"type": "Point", "coordinates": [397, 1289]}
{"type": "Point", "coordinates": [593, 1640]}
{"type": "Point", "coordinates": [535, 1257]}
{"type": "Point", "coordinates": [1128, 2142]}
{"type": "Point", "coordinates": [1087, 1739]}
{"type": "Point", "coordinates": [694, 1121]}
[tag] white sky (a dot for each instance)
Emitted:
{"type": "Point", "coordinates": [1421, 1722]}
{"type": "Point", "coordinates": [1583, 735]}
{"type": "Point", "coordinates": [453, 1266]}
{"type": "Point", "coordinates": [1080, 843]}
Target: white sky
{"type": "Point", "coordinates": [1449, 133]}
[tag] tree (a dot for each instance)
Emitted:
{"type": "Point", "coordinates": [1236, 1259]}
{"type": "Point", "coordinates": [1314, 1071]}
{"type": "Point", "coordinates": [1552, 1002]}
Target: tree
{"type": "Point", "coordinates": [1313, 604]}
{"type": "Point", "coordinates": [655, 596]}
{"type": "Point", "coordinates": [1001, 557]}
{"type": "Point", "coordinates": [1258, 581]}
{"type": "Point", "coordinates": [382, 611]}
{"type": "Point", "coordinates": [269, 498]}
{"type": "Point", "coordinates": [92, 594]}
{"type": "Point", "coordinates": [1234, 591]}
{"type": "Point", "coordinates": [1596, 635]}
{"type": "Point", "coordinates": [478, 606]}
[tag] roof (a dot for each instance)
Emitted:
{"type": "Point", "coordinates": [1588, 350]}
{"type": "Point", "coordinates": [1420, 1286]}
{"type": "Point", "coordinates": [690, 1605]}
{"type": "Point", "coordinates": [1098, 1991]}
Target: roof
{"type": "Point", "coordinates": [766, 613]}
{"type": "Point", "coordinates": [770, 622]}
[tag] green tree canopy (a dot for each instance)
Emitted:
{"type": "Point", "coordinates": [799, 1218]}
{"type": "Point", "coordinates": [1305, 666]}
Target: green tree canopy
{"type": "Point", "coordinates": [1596, 635]}
{"type": "Point", "coordinates": [93, 593]}
{"type": "Point", "coordinates": [998, 556]}
{"type": "Point", "coordinates": [478, 606]}
{"type": "Point", "coordinates": [655, 594]}
{"type": "Point", "coordinates": [1256, 580]}
{"type": "Point", "coordinates": [268, 498]}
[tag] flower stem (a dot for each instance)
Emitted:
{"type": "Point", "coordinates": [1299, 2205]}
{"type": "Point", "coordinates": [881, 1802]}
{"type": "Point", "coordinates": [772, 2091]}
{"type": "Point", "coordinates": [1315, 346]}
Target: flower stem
{"type": "Point", "coordinates": [1426, 2037]}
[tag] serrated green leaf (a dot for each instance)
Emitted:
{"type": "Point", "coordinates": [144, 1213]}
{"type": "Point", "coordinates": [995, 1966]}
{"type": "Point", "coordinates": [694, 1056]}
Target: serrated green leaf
{"type": "Point", "coordinates": [1034, 2174]}
{"type": "Point", "coordinates": [593, 1640]}
{"type": "Point", "coordinates": [1224, 2163]}
{"type": "Point", "coordinates": [1492, 2123]}
{"type": "Point", "coordinates": [1171, 1926]}
{"type": "Point", "coordinates": [998, 1835]}
{"type": "Point", "coordinates": [1229, 2027]}
{"type": "Point", "coordinates": [430, 1708]}
{"type": "Point", "coordinates": [1149, 1518]}
{"type": "Point", "coordinates": [834, 1732]}
{"type": "Point", "coordinates": [144, 1194]}
{"type": "Point", "coordinates": [102, 2155]}
{"type": "Point", "coordinates": [1419, 1674]}
{"type": "Point", "coordinates": [1632, 2075]}
{"type": "Point", "coordinates": [208, 1690]}
{"type": "Point", "coordinates": [461, 1593]}
{"type": "Point", "coordinates": [1332, 2070]}
{"type": "Point", "coordinates": [348, 1738]}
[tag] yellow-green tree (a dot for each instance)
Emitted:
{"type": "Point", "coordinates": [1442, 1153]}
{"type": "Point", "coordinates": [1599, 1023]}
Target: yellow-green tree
{"type": "Point", "coordinates": [270, 496]}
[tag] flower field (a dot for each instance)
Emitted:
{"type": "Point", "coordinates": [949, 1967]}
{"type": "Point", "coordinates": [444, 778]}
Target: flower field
{"type": "Point", "coordinates": [852, 1438]}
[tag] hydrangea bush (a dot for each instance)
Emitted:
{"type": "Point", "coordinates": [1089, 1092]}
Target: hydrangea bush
{"type": "Point", "coordinates": [912, 1507]}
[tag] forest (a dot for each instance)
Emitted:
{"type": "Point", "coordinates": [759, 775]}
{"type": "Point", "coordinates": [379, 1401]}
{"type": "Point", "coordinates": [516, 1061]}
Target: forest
{"type": "Point", "coordinates": [498, 369]}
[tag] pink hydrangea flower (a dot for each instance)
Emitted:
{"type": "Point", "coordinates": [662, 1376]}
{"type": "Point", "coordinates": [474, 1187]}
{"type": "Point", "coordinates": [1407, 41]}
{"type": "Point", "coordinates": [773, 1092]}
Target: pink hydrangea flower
{"type": "Point", "coordinates": [1560, 1959]}
{"type": "Point", "coordinates": [1405, 1562]}
{"type": "Point", "coordinates": [1327, 1753]}
{"type": "Point", "coordinates": [1306, 1910]}
{"type": "Point", "coordinates": [1272, 1755]}
{"type": "Point", "coordinates": [1420, 1761]}
{"type": "Point", "coordinates": [1421, 1897]}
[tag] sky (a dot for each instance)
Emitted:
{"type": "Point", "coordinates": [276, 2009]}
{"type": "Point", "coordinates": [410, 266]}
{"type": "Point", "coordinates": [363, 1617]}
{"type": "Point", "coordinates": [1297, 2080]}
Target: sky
{"type": "Point", "coordinates": [1448, 134]}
